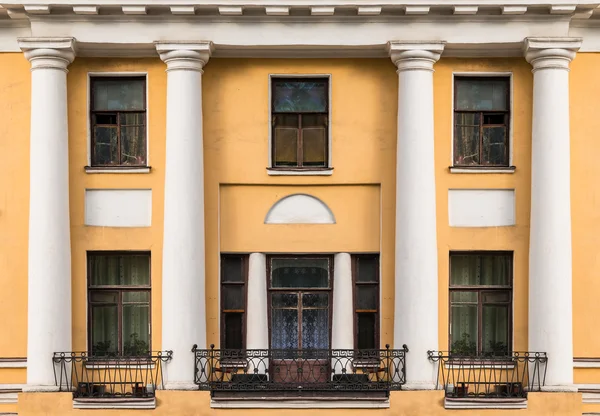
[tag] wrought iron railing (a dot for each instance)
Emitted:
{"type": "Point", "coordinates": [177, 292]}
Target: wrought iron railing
{"type": "Point", "coordinates": [507, 376]}
{"type": "Point", "coordinates": [109, 376]}
{"type": "Point", "coordinates": [300, 370]}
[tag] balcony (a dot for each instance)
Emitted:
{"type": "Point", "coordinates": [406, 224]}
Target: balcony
{"type": "Point", "coordinates": [300, 373]}
{"type": "Point", "coordinates": [110, 381]}
{"type": "Point", "coordinates": [503, 381]}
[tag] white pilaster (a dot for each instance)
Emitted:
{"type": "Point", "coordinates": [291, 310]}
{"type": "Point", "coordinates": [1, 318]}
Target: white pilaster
{"type": "Point", "coordinates": [257, 322]}
{"type": "Point", "coordinates": [416, 292]}
{"type": "Point", "coordinates": [550, 286]}
{"type": "Point", "coordinates": [342, 333]}
{"type": "Point", "coordinates": [49, 284]}
{"type": "Point", "coordinates": [183, 308]}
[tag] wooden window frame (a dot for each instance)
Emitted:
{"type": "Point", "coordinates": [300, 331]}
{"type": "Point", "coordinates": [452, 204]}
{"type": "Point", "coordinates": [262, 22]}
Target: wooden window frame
{"type": "Point", "coordinates": [120, 289]}
{"type": "Point", "coordinates": [507, 121]}
{"type": "Point", "coordinates": [245, 261]}
{"type": "Point", "coordinates": [95, 79]}
{"type": "Point", "coordinates": [377, 334]}
{"type": "Point", "coordinates": [299, 291]}
{"type": "Point", "coordinates": [299, 139]}
{"type": "Point", "coordinates": [481, 289]}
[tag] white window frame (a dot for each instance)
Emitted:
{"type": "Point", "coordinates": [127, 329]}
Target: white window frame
{"type": "Point", "coordinates": [92, 169]}
{"type": "Point", "coordinates": [304, 172]}
{"type": "Point", "coordinates": [478, 169]}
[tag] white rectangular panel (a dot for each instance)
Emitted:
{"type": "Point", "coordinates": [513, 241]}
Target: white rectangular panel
{"type": "Point", "coordinates": [481, 207]}
{"type": "Point", "coordinates": [118, 207]}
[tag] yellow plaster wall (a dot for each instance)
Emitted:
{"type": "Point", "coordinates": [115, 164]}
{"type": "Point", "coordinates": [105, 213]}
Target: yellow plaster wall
{"type": "Point", "coordinates": [84, 238]}
{"type": "Point", "coordinates": [403, 403]}
{"type": "Point", "coordinates": [15, 96]}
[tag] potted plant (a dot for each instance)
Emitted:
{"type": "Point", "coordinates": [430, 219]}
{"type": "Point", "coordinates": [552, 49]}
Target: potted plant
{"type": "Point", "coordinates": [135, 347]}
{"type": "Point", "coordinates": [102, 349]}
{"type": "Point", "coordinates": [463, 347]}
{"type": "Point", "coordinates": [496, 349]}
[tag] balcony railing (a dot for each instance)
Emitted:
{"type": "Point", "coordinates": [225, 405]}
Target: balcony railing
{"type": "Point", "coordinates": [309, 370]}
{"type": "Point", "coordinates": [109, 376]}
{"type": "Point", "coordinates": [509, 376]}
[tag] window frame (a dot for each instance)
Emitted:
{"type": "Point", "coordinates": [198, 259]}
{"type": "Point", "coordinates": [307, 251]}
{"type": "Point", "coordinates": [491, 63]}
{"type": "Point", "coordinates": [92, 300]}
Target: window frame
{"type": "Point", "coordinates": [299, 170]}
{"type": "Point", "coordinates": [299, 291]}
{"type": "Point", "coordinates": [377, 333]}
{"type": "Point", "coordinates": [120, 289]}
{"type": "Point", "coordinates": [92, 77]}
{"type": "Point", "coordinates": [222, 311]}
{"type": "Point", "coordinates": [481, 289]}
{"type": "Point", "coordinates": [503, 76]}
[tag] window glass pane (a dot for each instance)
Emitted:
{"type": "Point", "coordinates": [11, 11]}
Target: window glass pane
{"type": "Point", "coordinates": [315, 328]}
{"type": "Point", "coordinates": [286, 146]}
{"type": "Point", "coordinates": [234, 331]}
{"type": "Point", "coordinates": [368, 268]}
{"type": "Point", "coordinates": [365, 327]}
{"type": "Point", "coordinates": [136, 297]}
{"type": "Point", "coordinates": [105, 327]}
{"type": "Point", "coordinates": [463, 297]}
{"type": "Point", "coordinates": [231, 269]}
{"type": "Point", "coordinates": [481, 94]}
{"type": "Point", "coordinates": [299, 272]}
{"type": "Point", "coordinates": [133, 145]}
{"type": "Point", "coordinates": [467, 119]}
{"type": "Point", "coordinates": [132, 119]}
{"type": "Point", "coordinates": [135, 270]}
{"type": "Point", "coordinates": [494, 146]}
{"type": "Point", "coordinates": [496, 270]}
{"type": "Point", "coordinates": [111, 94]}
{"type": "Point", "coordinates": [136, 327]}
{"type": "Point", "coordinates": [295, 96]}
{"type": "Point", "coordinates": [466, 145]}
{"type": "Point", "coordinates": [284, 329]}
{"type": "Point", "coordinates": [315, 300]}
{"type": "Point", "coordinates": [496, 297]}
{"type": "Point", "coordinates": [233, 296]}
{"type": "Point", "coordinates": [464, 329]}
{"type": "Point", "coordinates": [104, 270]}
{"type": "Point", "coordinates": [464, 270]}
{"type": "Point", "coordinates": [495, 329]}
{"type": "Point", "coordinates": [314, 147]}
{"type": "Point", "coordinates": [105, 146]}
{"type": "Point", "coordinates": [104, 297]}
{"type": "Point", "coordinates": [366, 296]}
{"type": "Point", "coordinates": [284, 300]}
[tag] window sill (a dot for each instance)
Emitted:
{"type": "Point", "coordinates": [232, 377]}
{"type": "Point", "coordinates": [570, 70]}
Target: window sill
{"type": "Point", "coordinates": [482, 169]}
{"type": "Point", "coordinates": [299, 172]}
{"type": "Point", "coordinates": [120, 169]}
{"type": "Point", "coordinates": [474, 403]}
{"type": "Point", "coordinates": [320, 403]}
{"type": "Point", "coordinates": [120, 403]}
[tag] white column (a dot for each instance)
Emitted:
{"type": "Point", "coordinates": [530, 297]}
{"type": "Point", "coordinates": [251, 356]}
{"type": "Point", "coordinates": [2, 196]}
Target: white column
{"type": "Point", "coordinates": [416, 291]}
{"type": "Point", "coordinates": [49, 284]}
{"type": "Point", "coordinates": [183, 308]}
{"type": "Point", "coordinates": [342, 329]}
{"type": "Point", "coordinates": [257, 319]}
{"type": "Point", "coordinates": [550, 287]}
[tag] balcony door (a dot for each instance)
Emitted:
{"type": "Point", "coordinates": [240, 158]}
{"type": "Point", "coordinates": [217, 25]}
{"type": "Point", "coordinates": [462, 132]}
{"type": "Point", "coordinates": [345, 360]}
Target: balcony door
{"type": "Point", "coordinates": [300, 318]}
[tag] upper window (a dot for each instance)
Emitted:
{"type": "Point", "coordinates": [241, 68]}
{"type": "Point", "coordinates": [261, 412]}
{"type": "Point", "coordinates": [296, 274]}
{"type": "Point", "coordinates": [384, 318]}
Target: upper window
{"type": "Point", "coordinates": [366, 301]}
{"type": "Point", "coordinates": [119, 304]}
{"type": "Point", "coordinates": [481, 121]}
{"type": "Point", "coordinates": [300, 110]}
{"type": "Point", "coordinates": [118, 122]}
{"type": "Point", "coordinates": [480, 303]}
{"type": "Point", "coordinates": [233, 301]}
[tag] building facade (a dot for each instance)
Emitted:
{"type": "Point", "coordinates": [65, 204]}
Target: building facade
{"type": "Point", "coordinates": [302, 207]}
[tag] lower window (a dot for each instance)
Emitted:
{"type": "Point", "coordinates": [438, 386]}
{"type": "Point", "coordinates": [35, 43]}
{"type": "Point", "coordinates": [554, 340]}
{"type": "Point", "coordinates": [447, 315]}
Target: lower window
{"type": "Point", "coordinates": [366, 301]}
{"type": "Point", "coordinates": [119, 303]}
{"type": "Point", "coordinates": [480, 303]}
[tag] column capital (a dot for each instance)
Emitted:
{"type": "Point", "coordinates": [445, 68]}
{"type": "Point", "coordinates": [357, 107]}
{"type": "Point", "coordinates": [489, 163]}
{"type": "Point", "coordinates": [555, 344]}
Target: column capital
{"type": "Point", "coordinates": [409, 56]}
{"type": "Point", "coordinates": [187, 56]}
{"type": "Point", "coordinates": [52, 53]}
{"type": "Point", "coordinates": [547, 53]}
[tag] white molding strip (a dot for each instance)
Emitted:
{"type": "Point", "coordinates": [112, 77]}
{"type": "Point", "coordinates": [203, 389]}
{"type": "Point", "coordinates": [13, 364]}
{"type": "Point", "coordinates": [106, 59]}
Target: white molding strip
{"type": "Point", "coordinates": [16, 362]}
{"type": "Point", "coordinates": [9, 393]}
{"type": "Point", "coordinates": [485, 403]}
{"type": "Point", "coordinates": [114, 403]}
{"type": "Point", "coordinates": [329, 403]}
{"type": "Point", "coordinates": [586, 362]}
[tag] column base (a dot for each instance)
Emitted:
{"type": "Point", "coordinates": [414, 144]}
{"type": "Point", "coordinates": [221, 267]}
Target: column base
{"type": "Point", "coordinates": [565, 388]}
{"type": "Point", "coordinates": [38, 388]}
{"type": "Point", "coordinates": [181, 385]}
{"type": "Point", "coordinates": [419, 385]}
